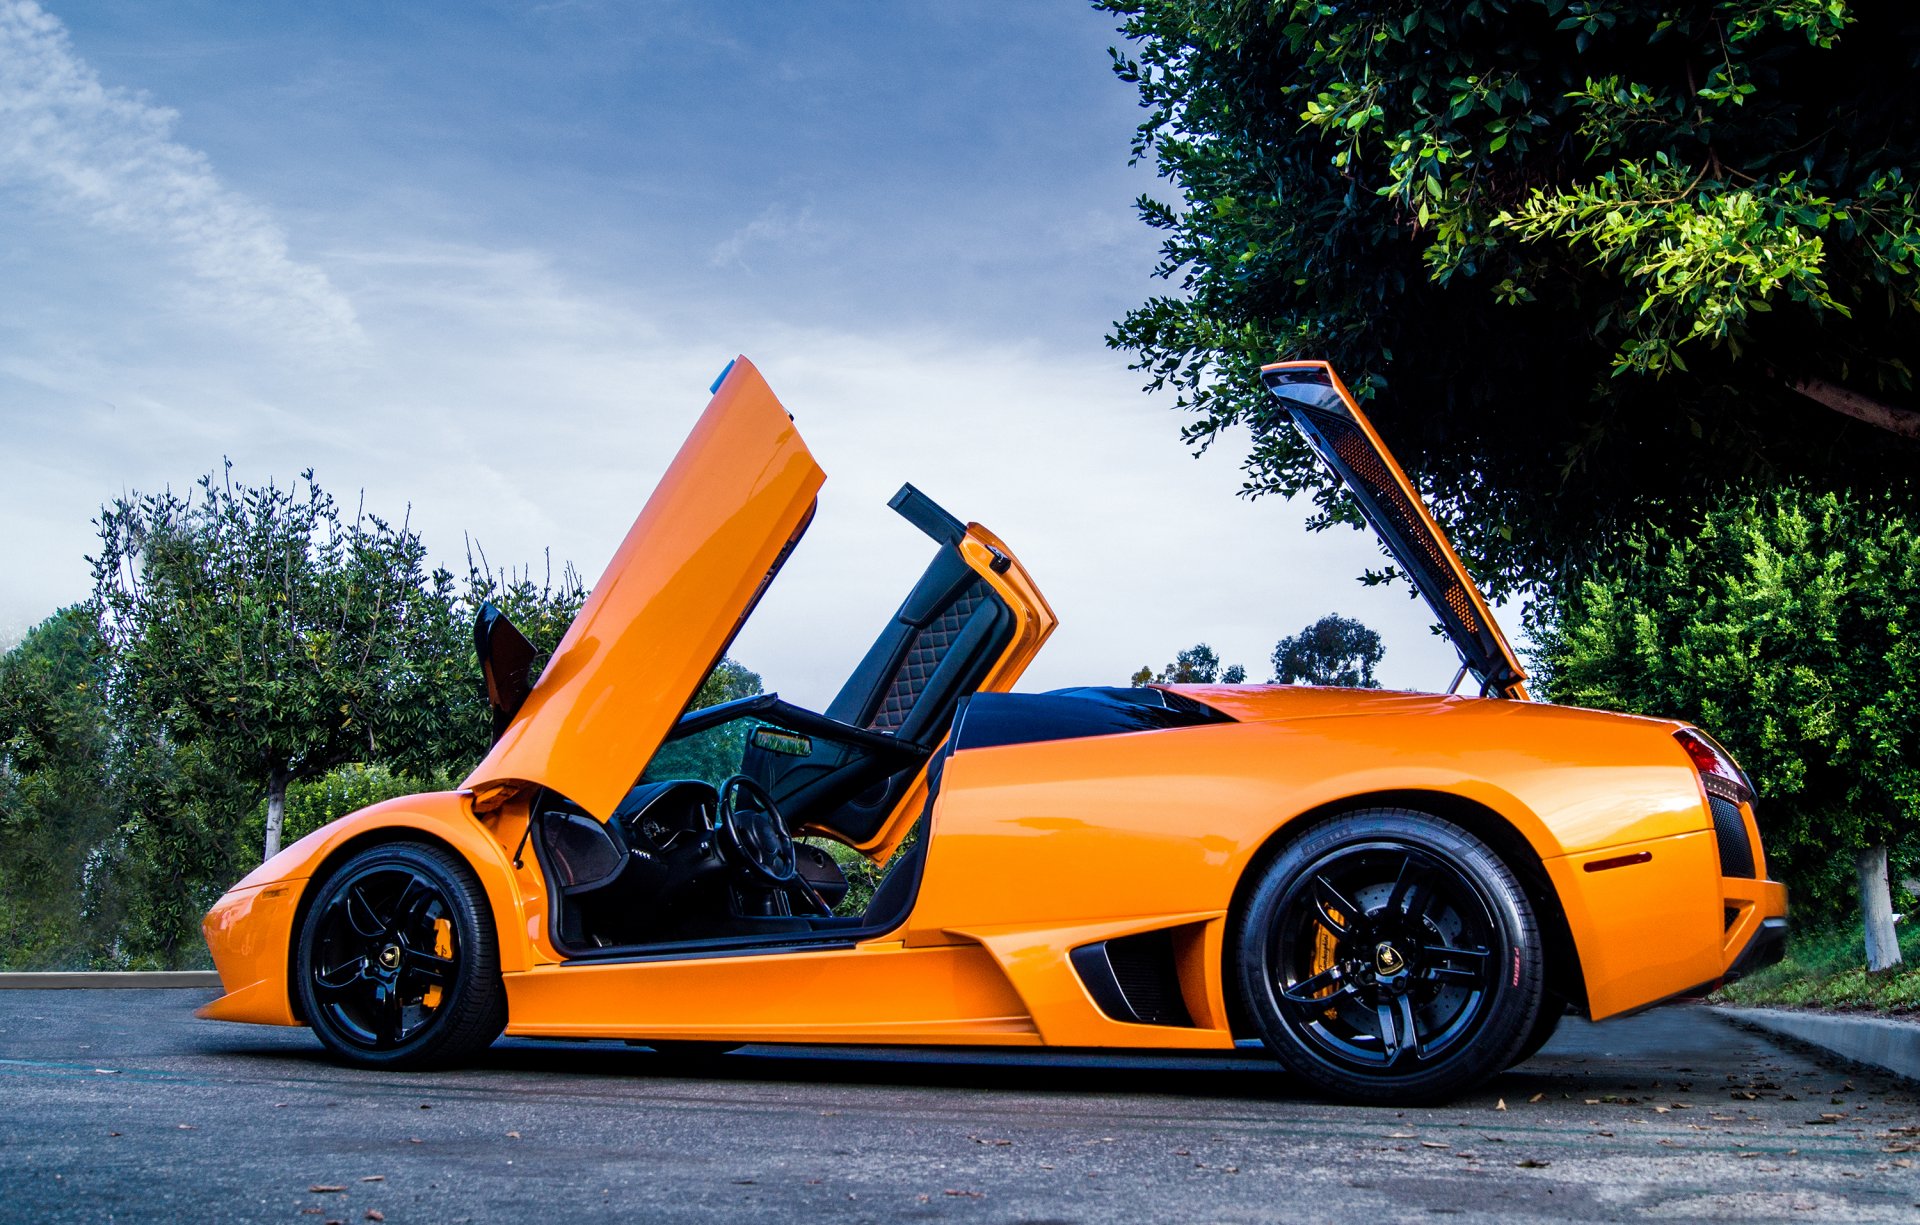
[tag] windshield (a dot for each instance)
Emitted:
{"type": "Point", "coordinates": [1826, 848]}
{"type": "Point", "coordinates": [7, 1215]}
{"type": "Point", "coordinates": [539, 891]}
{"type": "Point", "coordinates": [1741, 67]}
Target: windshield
{"type": "Point", "coordinates": [787, 749]}
{"type": "Point", "coordinates": [711, 754]}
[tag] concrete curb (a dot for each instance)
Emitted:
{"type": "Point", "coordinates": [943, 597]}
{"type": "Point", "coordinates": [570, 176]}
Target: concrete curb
{"type": "Point", "coordinates": [114, 980]}
{"type": "Point", "coordinates": [1892, 1046]}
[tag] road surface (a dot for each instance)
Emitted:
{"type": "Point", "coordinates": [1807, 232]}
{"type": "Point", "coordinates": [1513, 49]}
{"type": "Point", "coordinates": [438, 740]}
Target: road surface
{"type": "Point", "coordinates": [118, 1105]}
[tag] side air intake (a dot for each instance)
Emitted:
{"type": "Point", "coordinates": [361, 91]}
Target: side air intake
{"type": "Point", "coordinates": [1133, 979]}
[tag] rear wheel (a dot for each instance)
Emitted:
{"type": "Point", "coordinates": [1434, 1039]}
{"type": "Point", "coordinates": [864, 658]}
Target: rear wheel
{"type": "Point", "coordinates": [398, 964]}
{"type": "Point", "coordinates": [1390, 956]}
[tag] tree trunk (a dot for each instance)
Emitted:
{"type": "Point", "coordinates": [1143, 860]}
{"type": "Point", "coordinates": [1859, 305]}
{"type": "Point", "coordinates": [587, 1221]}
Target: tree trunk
{"type": "Point", "coordinates": [1876, 909]}
{"type": "Point", "coordinates": [277, 818]}
{"type": "Point", "coordinates": [1877, 413]}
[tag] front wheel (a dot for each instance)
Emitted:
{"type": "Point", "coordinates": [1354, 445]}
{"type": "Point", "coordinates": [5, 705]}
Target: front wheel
{"type": "Point", "coordinates": [397, 964]}
{"type": "Point", "coordinates": [1389, 956]}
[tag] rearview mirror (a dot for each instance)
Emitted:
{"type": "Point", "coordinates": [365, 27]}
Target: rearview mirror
{"type": "Point", "coordinates": [778, 740]}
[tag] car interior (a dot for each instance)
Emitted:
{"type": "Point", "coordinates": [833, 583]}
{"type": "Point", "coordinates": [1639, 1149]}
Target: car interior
{"type": "Point", "coordinates": [701, 851]}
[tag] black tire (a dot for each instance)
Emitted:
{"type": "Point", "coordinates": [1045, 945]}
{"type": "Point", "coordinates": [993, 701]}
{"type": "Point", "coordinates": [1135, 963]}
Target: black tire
{"type": "Point", "coordinates": [1545, 1023]}
{"type": "Point", "coordinates": [1389, 956]}
{"type": "Point", "coordinates": [397, 964]}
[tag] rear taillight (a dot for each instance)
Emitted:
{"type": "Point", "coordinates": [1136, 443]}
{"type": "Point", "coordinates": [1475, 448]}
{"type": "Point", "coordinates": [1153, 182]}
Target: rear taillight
{"type": "Point", "coordinates": [1729, 793]}
{"type": "Point", "coordinates": [1719, 773]}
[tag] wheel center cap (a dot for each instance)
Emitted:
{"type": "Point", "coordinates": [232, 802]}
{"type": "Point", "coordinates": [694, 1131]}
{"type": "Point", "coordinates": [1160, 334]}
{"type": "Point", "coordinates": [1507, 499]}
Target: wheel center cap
{"type": "Point", "coordinates": [390, 956]}
{"type": "Point", "coordinates": [1387, 960]}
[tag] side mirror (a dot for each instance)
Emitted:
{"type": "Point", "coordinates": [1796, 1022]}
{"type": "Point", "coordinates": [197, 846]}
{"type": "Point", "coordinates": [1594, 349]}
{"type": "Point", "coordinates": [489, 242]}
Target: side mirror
{"type": "Point", "coordinates": [779, 740]}
{"type": "Point", "coordinates": [506, 661]}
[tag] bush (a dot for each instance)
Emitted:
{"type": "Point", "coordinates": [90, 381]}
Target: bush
{"type": "Point", "coordinates": [340, 791]}
{"type": "Point", "coordinates": [1788, 626]}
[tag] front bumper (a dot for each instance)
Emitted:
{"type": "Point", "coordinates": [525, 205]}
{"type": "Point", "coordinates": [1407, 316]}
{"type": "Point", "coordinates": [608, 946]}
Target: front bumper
{"type": "Point", "coordinates": [249, 932]}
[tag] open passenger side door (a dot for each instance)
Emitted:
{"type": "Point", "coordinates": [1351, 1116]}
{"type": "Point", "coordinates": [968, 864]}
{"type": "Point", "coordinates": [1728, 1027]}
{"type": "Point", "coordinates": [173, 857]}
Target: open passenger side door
{"type": "Point", "coordinates": [972, 622]}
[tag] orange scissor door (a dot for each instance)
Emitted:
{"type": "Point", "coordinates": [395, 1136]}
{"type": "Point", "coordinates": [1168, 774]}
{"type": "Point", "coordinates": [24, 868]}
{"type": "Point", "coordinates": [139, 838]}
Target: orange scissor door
{"type": "Point", "coordinates": [722, 520]}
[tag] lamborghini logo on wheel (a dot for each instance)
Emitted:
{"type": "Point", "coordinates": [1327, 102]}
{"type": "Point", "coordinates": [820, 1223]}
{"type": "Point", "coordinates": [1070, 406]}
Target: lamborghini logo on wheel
{"type": "Point", "coordinates": [390, 956]}
{"type": "Point", "coordinates": [1387, 959]}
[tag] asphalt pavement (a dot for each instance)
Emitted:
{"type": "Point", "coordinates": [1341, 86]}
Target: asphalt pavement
{"type": "Point", "coordinates": [118, 1105]}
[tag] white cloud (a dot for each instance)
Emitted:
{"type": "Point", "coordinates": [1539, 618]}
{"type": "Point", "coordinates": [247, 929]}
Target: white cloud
{"type": "Point", "coordinates": [778, 224]}
{"type": "Point", "coordinates": [107, 158]}
{"type": "Point", "coordinates": [502, 401]}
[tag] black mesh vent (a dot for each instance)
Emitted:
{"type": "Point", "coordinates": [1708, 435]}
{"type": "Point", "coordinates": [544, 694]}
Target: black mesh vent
{"type": "Point", "coordinates": [1730, 830]}
{"type": "Point", "coordinates": [929, 647]}
{"type": "Point", "coordinates": [1143, 966]}
{"type": "Point", "coordinates": [1133, 979]}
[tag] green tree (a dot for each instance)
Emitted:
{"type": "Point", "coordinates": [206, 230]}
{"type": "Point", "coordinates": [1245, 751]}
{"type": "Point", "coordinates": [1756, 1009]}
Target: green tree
{"type": "Point", "coordinates": [345, 789]}
{"type": "Point", "coordinates": [1334, 650]}
{"type": "Point", "coordinates": [58, 807]}
{"type": "Point", "coordinates": [265, 630]}
{"type": "Point", "coordinates": [1590, 264]}
{"type": "Point", "coordinates": [1788, 626]}
{"type": "Point", "coordinates": [184, 837]}
{"type": "Point", "coordinates": [1197, 665]}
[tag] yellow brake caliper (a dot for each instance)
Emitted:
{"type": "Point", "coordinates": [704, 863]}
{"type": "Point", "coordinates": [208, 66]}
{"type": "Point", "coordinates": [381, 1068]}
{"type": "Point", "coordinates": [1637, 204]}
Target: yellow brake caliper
{"type": "Point", "coordinates": [442, 947]}
{"type": "Point", "coordinates": [1324, 945]}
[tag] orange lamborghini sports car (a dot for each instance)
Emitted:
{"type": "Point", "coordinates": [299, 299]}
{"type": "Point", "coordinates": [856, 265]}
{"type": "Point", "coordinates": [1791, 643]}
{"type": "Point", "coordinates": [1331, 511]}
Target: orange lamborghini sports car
{"type": "Point", "coordinates": [1398, 894]}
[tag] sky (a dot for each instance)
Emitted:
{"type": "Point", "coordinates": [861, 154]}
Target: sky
{"type": "Point", "coordinates": [482, 261]}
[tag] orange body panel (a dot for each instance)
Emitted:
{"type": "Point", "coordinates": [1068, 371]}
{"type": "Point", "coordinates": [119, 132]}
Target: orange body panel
{"type": "Point", "coordinates": [1467, 589]}
{"type": "Point", "coordinates": [878, 992]}
{"type": "Point", "coordinates": [1034, 848]}
{"type": "Point", "coordinates": [1038, 848]}
{"type": "Point", "coordinates": [250, 931]}
{"type": "Point", "coordinates": [1161, 824]}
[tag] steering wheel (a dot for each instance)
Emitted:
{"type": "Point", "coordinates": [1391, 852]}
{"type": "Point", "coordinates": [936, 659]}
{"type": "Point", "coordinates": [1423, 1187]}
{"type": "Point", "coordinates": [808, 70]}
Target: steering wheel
{"type": "Point", "coordinates": [754, 834]}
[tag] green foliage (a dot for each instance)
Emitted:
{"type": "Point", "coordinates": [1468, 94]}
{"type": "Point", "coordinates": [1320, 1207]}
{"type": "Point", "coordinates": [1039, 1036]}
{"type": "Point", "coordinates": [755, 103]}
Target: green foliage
{"type": "Point", "coordinates": [1197, 665]}
{"type": "Point", "coordinates": [715, 754]}
{"type": "Point", "coordinates": [242, 640]}
{"type": "Point", "coordinates": [727, 682]}
{"type": "Point", "coordinates": [1788, 626]}
{"type": "Point", "coordinates": [1334, 650]}
{"type": "Point", "coordinates": [863, 875]}
{"type": "Point", "coordinates": [184, 838]}
{"type": "Point", "coordinates": [56, 804]}
{"type": "Point", "coordinates": [1572, 253]}
{"type": "Point", "coordinates": [344, 790]}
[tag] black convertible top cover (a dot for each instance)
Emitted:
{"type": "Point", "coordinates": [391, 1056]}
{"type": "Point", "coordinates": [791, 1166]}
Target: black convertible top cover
{"type": "Point", "coordinates": [991, 719]}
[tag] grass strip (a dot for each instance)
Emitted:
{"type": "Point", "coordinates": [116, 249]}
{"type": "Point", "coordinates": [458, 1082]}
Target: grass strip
{"type": "Point", "coordinates": [1827, 969]}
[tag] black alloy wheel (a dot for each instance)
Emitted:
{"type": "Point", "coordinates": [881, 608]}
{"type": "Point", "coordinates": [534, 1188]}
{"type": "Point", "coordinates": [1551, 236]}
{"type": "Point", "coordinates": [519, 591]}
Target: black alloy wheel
{"type": "Point", "coordinates": [1389, 956]}
{"type": "Point", "coordinates": [398, 963]}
